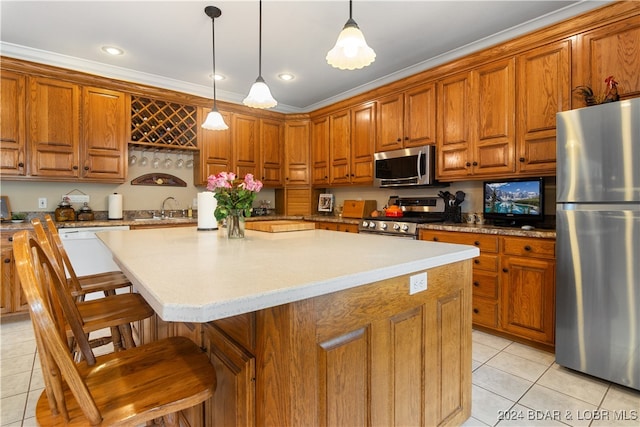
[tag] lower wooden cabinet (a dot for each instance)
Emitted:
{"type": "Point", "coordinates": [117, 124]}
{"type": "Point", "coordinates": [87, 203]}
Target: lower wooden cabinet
{"type": "Point", "coordinates": [336, 226]}
{"type": "Point", "coordinates": [513, 283]}
{"type": "Point", "coordinates": [12, 299]}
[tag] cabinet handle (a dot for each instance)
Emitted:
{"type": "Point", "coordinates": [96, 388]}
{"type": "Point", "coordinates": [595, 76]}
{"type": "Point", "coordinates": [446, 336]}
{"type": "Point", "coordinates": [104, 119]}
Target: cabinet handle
{"type": "Point", "coordinates": [399, 140]}
{"type": "Point", "coordinates": [476, 311]}
{"type": "Point", "coordinates": [406, 138]}
{"type": "Point", "coordinates": [7, 260]}
{"type": "Point", "coordinates": [86, 168]}
{"type": "Point", "coordinates": [476, 261]}
{"type": "Point", "coordinates": [435, 239]}
{"type": "Point", "coordinates": [521, 159]}
{"type": "Point", "coordinates": [527, 248]}
{"type": "Point", "coordinates": [75, 168]}
{"type": "Point", "coordinates": [20, 165]}
{"type": "Point", "coordinates": [476, 284]}
{"type": "Point", "coordinates": [476, 243]}
{"type": "Point", "coordinates": [10, 239]}
{"type": "Point", "coordinates": [475, 163]}
{"type": "Point", "coordinates": [467, 164]}
{"type": "Point", "coordinates": [505, 270]}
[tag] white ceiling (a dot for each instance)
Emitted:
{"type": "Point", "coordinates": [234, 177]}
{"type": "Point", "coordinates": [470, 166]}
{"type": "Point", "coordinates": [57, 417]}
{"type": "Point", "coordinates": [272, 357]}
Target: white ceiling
{"type": "Point", "coordinates": [168, 43]}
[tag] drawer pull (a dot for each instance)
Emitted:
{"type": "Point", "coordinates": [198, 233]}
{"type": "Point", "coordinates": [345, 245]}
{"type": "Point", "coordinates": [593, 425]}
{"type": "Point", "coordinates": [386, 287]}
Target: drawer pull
{"type": "Point", "coordinates": [7, 260]}
{"type": "Point", "coordinates": [476, 284]}
{"type": "Point", "coordinates": [435, 239]}
{"type": "Point", "coordinates": [10, 239]}
{"type": "Point", "coordinates": [527, 248]}
{"type": "Point", "coordinates": [505, 270]}
{"type": "Point", "coordinates": [476, 261]}
{"type": "Point", "coordinates": [476, 243]}
{"type": "Point", "coordinates": [476, 311]}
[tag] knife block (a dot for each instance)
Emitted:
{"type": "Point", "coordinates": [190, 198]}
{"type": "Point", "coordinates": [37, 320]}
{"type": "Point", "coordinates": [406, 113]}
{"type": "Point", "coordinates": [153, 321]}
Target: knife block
{"type": "Point", "coordinates": [452, 214]}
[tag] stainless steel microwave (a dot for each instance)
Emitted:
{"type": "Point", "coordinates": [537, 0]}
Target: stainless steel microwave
{"type": "Point", "coordinates": [405, 168]}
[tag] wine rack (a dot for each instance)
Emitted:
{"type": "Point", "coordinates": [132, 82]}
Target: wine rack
{"type": "Point", "coordinates": [162, 124]}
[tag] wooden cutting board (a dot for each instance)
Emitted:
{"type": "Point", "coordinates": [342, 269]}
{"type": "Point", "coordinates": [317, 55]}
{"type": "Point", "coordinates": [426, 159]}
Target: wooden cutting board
{"type": "Point", "coordinates": [279, 226]}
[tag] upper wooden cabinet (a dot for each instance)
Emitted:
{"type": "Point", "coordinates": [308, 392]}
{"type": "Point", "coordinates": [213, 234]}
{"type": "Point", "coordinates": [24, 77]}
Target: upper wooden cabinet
{"type": "Point", "coordinates": [320, 151]}
{"type": "Point", "coordinates": [340, 147]}
{"type": "Point", "coordinates": [610, 50]}
{"type": "Point", "coordinates": [12, 124]}
{"type": "Point", "coordinates": [296, 152]}
{"type": "Point", "coordinates": [542, 89]}
{"type": "Point", "coordinates": [215, 149]}
{"type": "Point", "coordinates": [476, 122]}
{"type": "Point", "coordinates": [363, 136]}
{"type": "Point", "coordinates": [271, 152]}
{"type": "Point", "coordinates": [245, 134]}
{"type": "Point", "coordinates": [76, 132]}
{"type": "Point", "coordinates": [407, 119]}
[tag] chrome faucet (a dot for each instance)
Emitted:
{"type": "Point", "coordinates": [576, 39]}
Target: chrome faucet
{"type": "Point", "coordinates": [163, 203]}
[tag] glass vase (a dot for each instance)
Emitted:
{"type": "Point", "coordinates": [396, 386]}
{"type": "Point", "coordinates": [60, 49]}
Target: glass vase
{"type": "Point", "coordinates": [235, 224]}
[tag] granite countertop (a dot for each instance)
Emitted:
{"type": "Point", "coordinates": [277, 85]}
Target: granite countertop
{"type": "Point", "coordinates": [463, 227]}
{"type": "Point", "coordinates": [189, 275]}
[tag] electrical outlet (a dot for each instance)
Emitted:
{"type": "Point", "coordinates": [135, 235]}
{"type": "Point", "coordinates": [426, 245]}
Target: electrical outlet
{"type": "Point", "coordinates": [418, 283]}
{"type": "Point", "coordinates": [42, 202]}
{"type": "Point", "coordinates": [77, 198]}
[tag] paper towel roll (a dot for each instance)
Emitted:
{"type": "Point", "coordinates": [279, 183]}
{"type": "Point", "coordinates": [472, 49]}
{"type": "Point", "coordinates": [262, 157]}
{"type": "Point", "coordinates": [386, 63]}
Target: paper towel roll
{"type": "Point", "coordinates": [115, 206]}
{"type": "Point", "coordinates": [207, 204]}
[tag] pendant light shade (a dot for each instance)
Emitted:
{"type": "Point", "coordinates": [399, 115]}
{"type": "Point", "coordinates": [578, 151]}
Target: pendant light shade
{"type": "Point", "coordinates": [259, 94]}
{"type": "Point", "coordinates": [214, 119]}
{"type": "Point", "coordinates": [351, 51]}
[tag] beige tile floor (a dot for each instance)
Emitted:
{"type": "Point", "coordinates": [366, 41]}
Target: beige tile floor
{"type": "Point", "coordinates": [513, 385]}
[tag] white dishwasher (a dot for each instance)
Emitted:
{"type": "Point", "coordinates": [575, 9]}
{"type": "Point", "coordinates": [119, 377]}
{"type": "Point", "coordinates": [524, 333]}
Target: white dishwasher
{"type": "Point", "coordinates": [87, 253]}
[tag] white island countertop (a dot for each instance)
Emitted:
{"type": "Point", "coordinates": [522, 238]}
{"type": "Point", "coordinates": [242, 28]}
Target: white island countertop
{"type": "Point", "coordinates": [188, 275]}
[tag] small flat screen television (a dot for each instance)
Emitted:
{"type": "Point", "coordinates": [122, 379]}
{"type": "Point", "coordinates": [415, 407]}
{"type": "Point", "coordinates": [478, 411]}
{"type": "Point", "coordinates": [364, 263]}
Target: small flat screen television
{"type": "Point", "coordinates": [514, 201]}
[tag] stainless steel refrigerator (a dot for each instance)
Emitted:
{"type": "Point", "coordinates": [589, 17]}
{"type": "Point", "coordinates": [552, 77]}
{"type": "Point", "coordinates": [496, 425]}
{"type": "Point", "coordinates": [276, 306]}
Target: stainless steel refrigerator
{"type": "Point", "coordinates": [598, 241]}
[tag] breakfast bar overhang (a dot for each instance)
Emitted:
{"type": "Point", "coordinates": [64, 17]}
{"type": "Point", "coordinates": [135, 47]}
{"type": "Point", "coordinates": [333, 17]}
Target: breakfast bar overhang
{"type": "Point", "coordinates": [313, 328]}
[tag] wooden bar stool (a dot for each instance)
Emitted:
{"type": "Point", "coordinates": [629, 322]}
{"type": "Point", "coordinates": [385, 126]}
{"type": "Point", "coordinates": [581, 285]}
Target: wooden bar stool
{"type": "Point", "coordinates": [115, 311]}
{"type": "Point", "coordinates": [129, 387]}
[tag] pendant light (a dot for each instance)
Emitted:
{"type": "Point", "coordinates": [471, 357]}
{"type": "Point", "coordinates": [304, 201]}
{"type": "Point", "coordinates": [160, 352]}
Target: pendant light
{"type": "Point", "coordinates": [214, 120]}
{"type": "Point", "coordinates": [351, 51]}
{"type": "Point", "coordinates": [259, 94]}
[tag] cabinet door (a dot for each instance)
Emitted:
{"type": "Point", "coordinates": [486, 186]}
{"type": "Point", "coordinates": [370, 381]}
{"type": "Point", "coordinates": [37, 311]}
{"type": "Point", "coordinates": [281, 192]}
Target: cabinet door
{"type": "Point", "coordinates": [233, 403]}
{"type": "Point", "coordinates": [214, 155]}
{"type": "Point", "coordinates": [6, 280]}
{"type": "Point", "coordinates": [320, 150]}
{"type": "Point", "coordinates": [454, 156]}
{"type": "Point", "coordinates": [494, 118]}
{"type": "Point", "coordinates": [12, 124]}
{"type": "Point", "coordinates": [271, 142]}
{"type": "Point", "coordinates": [543, 89]}
{"type": "Point", "coordinates": [363, 136]}
{"type": "Point", "coordinates": [54, 128]}
{"type": "Point", "coordinates": [420, 116]}
{"type": "Point", "coordinates": [246, 144]}
{"type": "Point", "coordinates": [528, 298]}
{"type": "Point", "coordinates": [340, 147]}
{"type": "Point", "coordinates": [296, 152]}
{"type": "Point", "coordinates": [612, 50]}
{"type": "Point", "coordinates": [103, 149]}
{"type": "Point", "coordinates": [390, 122]}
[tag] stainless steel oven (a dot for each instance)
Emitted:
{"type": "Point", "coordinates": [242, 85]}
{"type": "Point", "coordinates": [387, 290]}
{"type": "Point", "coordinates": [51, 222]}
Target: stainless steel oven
{"type": "Point", "coordinates": [414, 211]}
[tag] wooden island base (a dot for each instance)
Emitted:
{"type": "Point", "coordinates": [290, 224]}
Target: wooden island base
{"type": "Point", "coordinates": [371, 355]}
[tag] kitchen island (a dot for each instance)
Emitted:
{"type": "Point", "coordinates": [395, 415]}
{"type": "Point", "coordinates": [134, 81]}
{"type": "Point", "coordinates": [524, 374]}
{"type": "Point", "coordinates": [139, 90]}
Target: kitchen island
{"type": "Point", "coordinates": [313, 327]}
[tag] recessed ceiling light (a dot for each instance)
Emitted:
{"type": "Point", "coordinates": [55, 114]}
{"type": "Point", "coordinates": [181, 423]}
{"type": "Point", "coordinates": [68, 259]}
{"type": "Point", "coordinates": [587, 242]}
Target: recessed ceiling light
{"type": "Point", "coordinates": [286, 76]}
{"type": "Point", "coordinates": [218, 77]}
{"type": "Point", "coordinates": [111, 50]}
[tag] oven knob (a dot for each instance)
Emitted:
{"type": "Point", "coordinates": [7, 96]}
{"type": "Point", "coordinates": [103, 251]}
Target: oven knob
{"type": "Point", "coordinates": [383, 226]}
{"type": "Point", "coordinates": [365, 224]}
{"type": "Point", "coordinates": [372, 224]}
{"type": "Point", "coordinates": [396, 227]}
{"type": "Point", "coordinates": [405, 227]}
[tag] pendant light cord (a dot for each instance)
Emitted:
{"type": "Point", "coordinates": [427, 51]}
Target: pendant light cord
{"type": "Point", "coordinates": [260, 43]}
{"type": "Point", "coordinates": [350, 9]}
{"type": "Point", "coordinates": [213, 38]}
